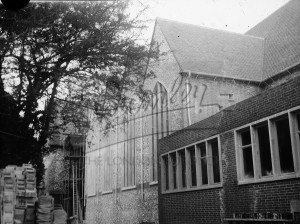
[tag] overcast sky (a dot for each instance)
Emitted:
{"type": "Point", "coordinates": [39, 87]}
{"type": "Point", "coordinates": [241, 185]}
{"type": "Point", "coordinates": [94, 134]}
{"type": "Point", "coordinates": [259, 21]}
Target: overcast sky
{"type": "Point", "coordinates": [231, 15]}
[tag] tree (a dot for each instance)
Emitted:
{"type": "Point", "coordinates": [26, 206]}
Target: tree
{"type": "Point", "coordinates": [86, 54]}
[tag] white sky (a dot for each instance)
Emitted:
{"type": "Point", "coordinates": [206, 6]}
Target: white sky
{"type": "Point", "coordinates": [231, 15]}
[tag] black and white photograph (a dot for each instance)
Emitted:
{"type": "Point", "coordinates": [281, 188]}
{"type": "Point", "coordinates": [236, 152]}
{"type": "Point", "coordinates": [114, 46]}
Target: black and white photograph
{"type": "Point", "coordinates": [150, 112]}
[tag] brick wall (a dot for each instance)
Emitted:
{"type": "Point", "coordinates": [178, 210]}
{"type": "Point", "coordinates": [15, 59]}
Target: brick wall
{"type": "Point", "coordinates": [167, 71]}
{"type": "Point", "coordinates": [213, 205]}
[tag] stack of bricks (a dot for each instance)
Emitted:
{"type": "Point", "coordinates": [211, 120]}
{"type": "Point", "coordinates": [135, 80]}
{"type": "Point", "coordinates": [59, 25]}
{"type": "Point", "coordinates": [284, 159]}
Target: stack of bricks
{"type": "Point", "coordinates": [30, 185]}
{"type": "Point", "coordinates": [9, 196]}
{"type": "Point", "coordinates": [19, 194]}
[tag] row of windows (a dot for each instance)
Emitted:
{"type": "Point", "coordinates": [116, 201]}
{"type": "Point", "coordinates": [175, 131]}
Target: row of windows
{"type": "Point", "coordinates": [269, 148]}
{"type": "Point", "coordinates": [266, 150]}
{"type": "Point", "coordinates": [160, 128]}
{"type": "Point", "coordinates": [193, 167]}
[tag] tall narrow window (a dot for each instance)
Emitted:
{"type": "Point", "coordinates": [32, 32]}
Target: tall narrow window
{"type": "Point", "coordinates": [183, 167]}
{"type": "Point", "coordinates": [129, 153]}
{"type": "Point", "coordinates": [284, 145]}
{"type": "Point", "coordinates": [246, 148]}
{"type": "Point", "coordinates": [264, 150]}
{"type": "Point", "coordinates": [298, 125]}
{"type": "Point", "coordinates": [166, 171]}
{"type": "Point", "coordinates": [174, 169]}
{"type": "Point", "coordinates": [203, 162]}
{"type": "Point", "coordinates": [191, 151]}
{"type": "Point", "coordinates": [215, 160]}
{"type": "Point", "coordinates": [160, 122]}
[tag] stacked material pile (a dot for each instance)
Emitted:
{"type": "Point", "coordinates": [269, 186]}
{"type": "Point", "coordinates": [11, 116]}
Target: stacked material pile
{"type": "Point", "coordinates": [9, 196]}
{"type": "Point", "coordinates": [30, 185]}
{"type": "Point", "coordinates": [18, 191]}
{"type": "Point", "coordinates": [44, 209]}
{"type": "Point", "coordinates": [20, 206]}
{"type": "Point", "coordinates": [29, 215]}
{"type": "Point", "coordinates": [59, 215]}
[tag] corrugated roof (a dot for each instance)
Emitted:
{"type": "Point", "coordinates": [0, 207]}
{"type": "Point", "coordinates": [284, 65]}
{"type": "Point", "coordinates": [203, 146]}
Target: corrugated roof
{"type": "Point", "coordinates": [211, 51]}
{"type": "Point", "coordinates": [281, 31]}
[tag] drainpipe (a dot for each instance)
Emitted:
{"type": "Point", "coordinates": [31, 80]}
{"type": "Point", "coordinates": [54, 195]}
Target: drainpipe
{"type": "Point", "coordinates": [97, 163]}
{"type": "Point", "coordinates": [116, 161]}
{"type": "Point", "coordinates": [142, 164]}
{"type": "Point", "coordinates": [188, 98]}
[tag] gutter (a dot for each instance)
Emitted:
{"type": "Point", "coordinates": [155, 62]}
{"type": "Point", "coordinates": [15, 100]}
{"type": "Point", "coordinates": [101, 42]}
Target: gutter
{"type": "Point", "coordinates": [211, 75]}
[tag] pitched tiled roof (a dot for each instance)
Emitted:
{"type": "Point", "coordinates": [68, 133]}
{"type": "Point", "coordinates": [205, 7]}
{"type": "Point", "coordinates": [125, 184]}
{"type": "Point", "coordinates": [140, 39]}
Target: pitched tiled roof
{"type": "Point", "coordinates": [281, 31]}
{"type": "Point", "coordinates": [211, 51]}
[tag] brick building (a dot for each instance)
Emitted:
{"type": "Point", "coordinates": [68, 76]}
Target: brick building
{"type": "Point", "coordinates": [202, 76]}
{"type": "Point", "coordinates": [243, 161]}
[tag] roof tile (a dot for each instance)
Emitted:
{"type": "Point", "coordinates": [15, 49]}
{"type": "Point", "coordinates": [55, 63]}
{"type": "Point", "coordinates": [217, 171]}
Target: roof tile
{"type": "Point", "coordinates": [216, 52]}
{"type": "Point", "coordinates": [281, 31]}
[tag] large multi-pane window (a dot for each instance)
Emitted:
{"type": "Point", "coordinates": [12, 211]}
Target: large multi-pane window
{"type": "Point", "coordinates": [269, 149]}
{"type": "Point", "coordinates": [160, 122]}
{"type": "Point", "coordinates": [193, 167]}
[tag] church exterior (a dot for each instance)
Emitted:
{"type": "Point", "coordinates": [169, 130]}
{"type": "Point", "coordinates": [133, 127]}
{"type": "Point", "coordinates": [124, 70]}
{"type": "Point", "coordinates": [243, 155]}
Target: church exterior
{"type": "Point", "coordinates": [193, 156]}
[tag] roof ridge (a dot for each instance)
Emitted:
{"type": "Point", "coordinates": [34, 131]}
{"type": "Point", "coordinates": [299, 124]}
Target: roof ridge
{"type": "Point", "coordinates": [208, 28]}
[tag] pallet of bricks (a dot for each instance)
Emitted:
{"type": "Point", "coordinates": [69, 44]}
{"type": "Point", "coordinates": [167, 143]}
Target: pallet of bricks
{"type": "Point", "coordinates": [18, 194]}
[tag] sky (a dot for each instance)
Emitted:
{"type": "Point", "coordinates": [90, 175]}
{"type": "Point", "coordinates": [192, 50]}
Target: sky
{"type": "Point", "coordinates": [231, 15]}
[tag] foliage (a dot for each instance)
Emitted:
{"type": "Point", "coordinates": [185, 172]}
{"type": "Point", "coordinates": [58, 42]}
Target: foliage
{"type": "Point", "coordinates": [88, 55]}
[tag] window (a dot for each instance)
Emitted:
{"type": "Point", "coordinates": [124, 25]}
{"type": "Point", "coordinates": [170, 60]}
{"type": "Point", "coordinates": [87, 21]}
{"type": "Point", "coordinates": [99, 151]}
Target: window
{"type": "Point", "coordinates": [264, 150]}
{"type": "Point", "coordinates": [129, 152]}
{"type": "Point", "coordinates": [269, 149]}
{"type": "Point", "coordinates": [173, 170]}
{"type": "Point", "coordinates": [92, 162]}
{"type": "Point", "coordinates": [106, 165]}
{"type": "Point", "coordinates": [298, 125]}
{"type": "Point", "coordinates": [284, 145]}
{"type": "Point", "coordinates": [215, 160]}
{"type": "Point", "coordinates": [246, 149]}
{"type": "Point", "coordinates": [160, 122]}
{"type": "Point", "coordinates": [203, 161]}
{"type": "Point", "coordinates": [194, 167]}
{"type": "Point", "coordinates": [165, 172]}
{"type": "Point", "coordinates": [192, 164]}
{"type": "Point", "coordinates": [182, 168]}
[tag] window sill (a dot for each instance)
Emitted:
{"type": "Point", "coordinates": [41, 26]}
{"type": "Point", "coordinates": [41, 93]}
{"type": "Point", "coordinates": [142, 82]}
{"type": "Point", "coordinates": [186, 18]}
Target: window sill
{"type": "Point", "coordinates": [192, 189]}
{"type": "Point", "coordinates": [153, 183]}
{"type": "Point", "coordinates": [91, 195]}
{"type": "Point", "coordinates": [106, 192]}
{"type": "Point", "coordinates": [269, 179]}
{"type": "Point", "coordinates": [128, 188]}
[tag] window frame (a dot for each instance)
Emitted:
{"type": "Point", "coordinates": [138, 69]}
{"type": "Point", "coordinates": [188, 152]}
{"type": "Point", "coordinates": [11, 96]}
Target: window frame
{"type": "Point", "coordinates": [277, 173]}
{"type": "Point", "coordinates": [188, 176]}
{"type": "Point", "coordinates": [129, 169]}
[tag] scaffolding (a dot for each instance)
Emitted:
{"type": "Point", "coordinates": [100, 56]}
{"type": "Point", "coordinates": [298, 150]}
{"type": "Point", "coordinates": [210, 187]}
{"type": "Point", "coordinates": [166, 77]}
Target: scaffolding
{"type": "Point", "coordinates": [73, 195]}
